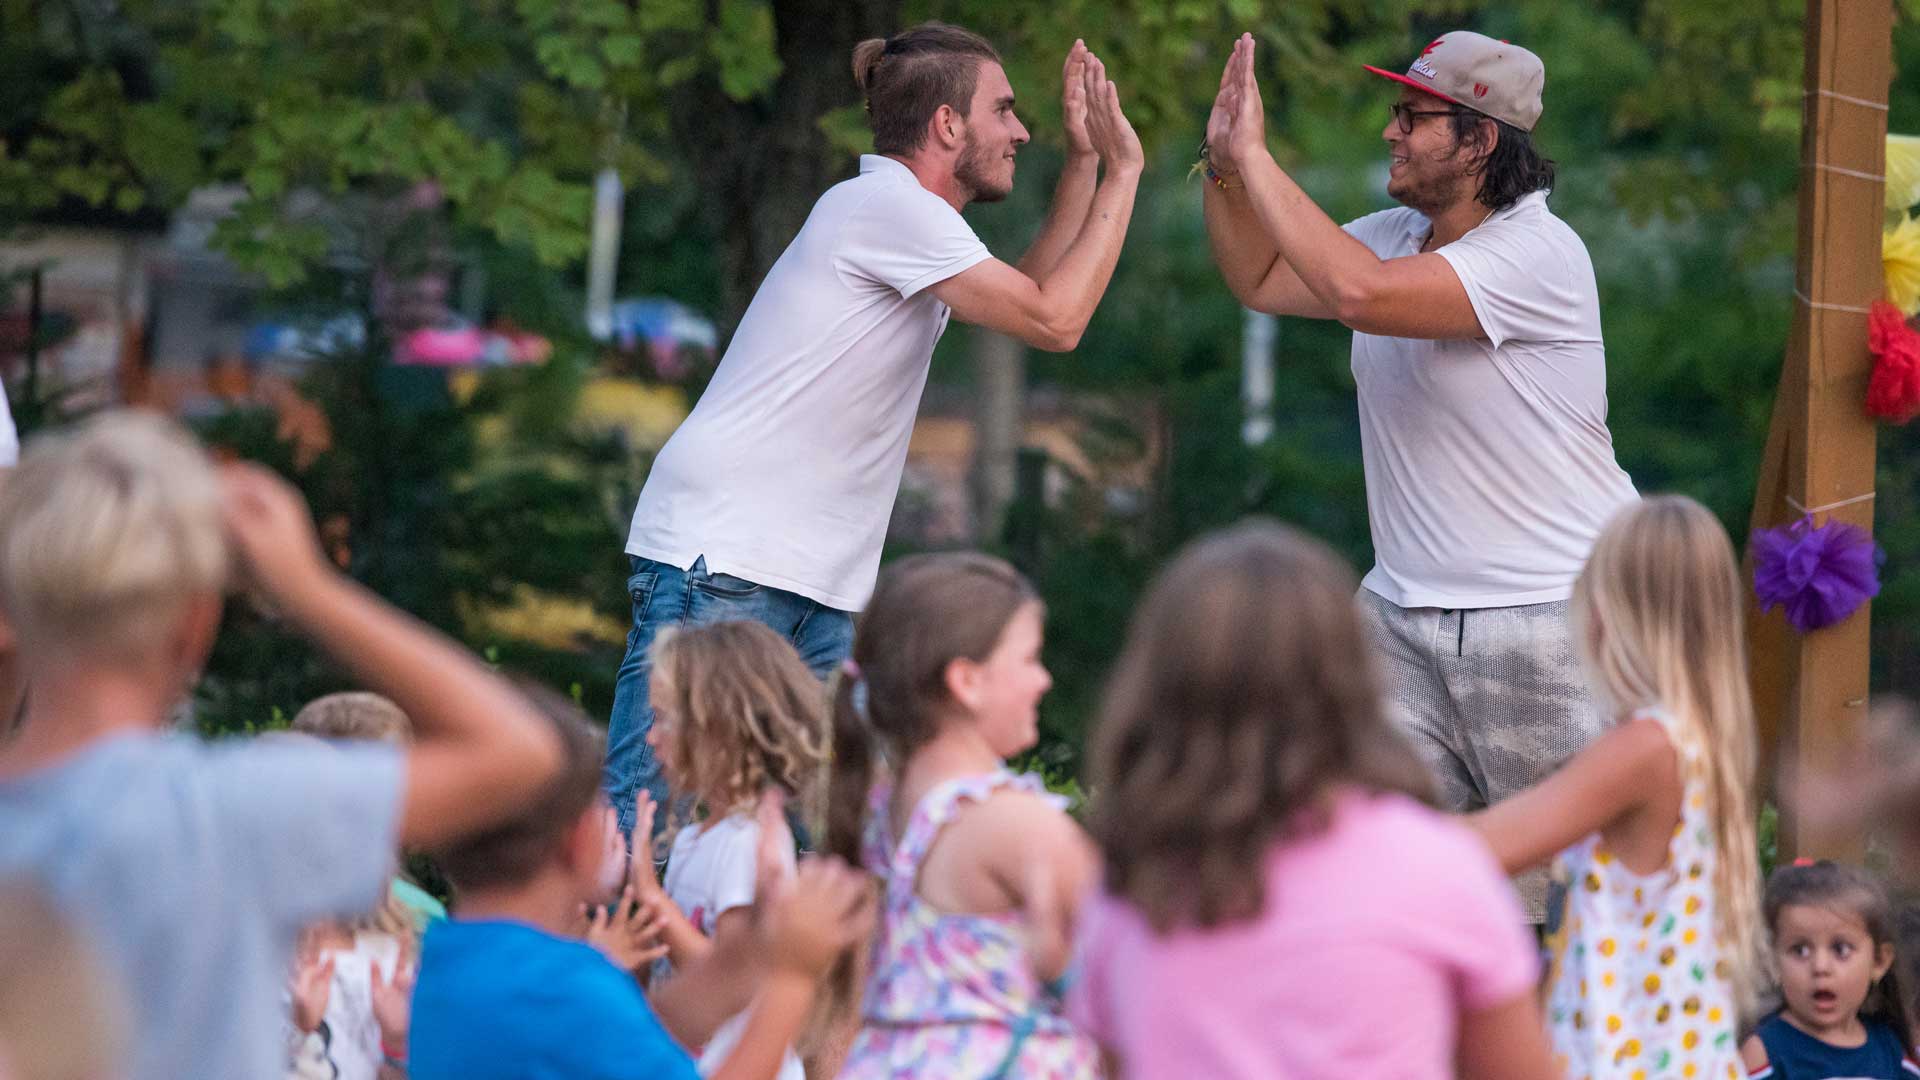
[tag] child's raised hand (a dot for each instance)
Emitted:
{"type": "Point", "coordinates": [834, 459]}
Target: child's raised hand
{"type": "Point", "coordinates": [271, 529]}
{"type": "Point", "coordinates": [771, 856]}
{"type": "Point", "coordinates": [629, 933]}
{"type": "Point", "coordinates": [393, 1002]}
{"type": "Point", "coordinates": [818, 914]}
{"type": "Point", "coordinates": [642, 876]}
{"type": "Point", "coordinates": [311, 987]}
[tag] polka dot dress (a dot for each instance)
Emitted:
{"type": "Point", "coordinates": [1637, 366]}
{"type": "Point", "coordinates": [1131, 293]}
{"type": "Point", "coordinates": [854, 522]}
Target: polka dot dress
{"type": "Point", "coordinates": [1639, 988]}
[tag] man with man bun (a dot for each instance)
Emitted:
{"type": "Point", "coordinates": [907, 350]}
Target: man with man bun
{"type": "Point", "coordinates": [772, 499]}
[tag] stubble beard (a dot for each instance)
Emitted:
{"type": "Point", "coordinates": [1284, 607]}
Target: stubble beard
{"type": "Point", "coordinates": [973, 170]}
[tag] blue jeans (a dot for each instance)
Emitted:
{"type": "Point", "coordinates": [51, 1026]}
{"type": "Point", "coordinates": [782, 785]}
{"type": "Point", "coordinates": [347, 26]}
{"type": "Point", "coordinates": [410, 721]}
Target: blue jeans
{"type": "Point", "coordinates": [668, 596]}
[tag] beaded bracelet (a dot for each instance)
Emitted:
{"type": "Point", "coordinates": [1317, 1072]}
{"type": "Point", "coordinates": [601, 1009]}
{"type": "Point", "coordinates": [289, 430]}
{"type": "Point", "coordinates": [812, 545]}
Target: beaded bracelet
{"type": "Point", "coordinates": [1215, 176]}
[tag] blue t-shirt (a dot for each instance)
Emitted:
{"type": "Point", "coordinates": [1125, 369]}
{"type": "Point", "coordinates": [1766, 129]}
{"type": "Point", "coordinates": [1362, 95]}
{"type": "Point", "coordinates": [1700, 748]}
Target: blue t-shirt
{"type": "Point", "coordinates": [193, 866]}
{"type": "Point", "coordinates": [505, 1001]}
{"type": "Point", "coordinates": [1793, 1054]}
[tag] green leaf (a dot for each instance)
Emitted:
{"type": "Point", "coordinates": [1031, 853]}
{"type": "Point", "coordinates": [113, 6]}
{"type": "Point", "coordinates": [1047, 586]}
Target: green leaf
{"type": "Point", "coordinates": [743, 47]}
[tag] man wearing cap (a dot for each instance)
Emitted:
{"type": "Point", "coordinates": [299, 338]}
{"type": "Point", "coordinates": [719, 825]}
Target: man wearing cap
{"type": "Point", "coordinates": [1483, 402]}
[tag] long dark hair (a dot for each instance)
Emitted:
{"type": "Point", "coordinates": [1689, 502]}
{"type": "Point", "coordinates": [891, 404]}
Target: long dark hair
{"type": "Point", "coordinates": [927, 611]}
{"type": "Point", "coordinates": [1246, 693]}
{"type": "Point", "coordinates": [1513, 168]}
{"type": "Point", "coordinates": [1846, 888]}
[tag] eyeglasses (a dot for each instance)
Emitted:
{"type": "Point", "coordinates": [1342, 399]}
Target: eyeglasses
{"type": "Point", "coordinates": [1407, 115]}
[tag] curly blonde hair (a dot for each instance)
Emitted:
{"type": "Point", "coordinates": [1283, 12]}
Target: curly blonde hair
{"type": "Point", "coordinates": [739, 712]}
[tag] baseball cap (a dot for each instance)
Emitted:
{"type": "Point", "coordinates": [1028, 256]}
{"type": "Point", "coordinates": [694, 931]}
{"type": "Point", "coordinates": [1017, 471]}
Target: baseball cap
{"type": "Point", "coordinates": [1486, 75]}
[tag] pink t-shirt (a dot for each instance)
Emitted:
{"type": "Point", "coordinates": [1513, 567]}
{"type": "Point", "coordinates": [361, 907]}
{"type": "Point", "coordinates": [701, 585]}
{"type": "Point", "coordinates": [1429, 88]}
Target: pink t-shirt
{"type": "Point", "coordinates": [1377, 934]}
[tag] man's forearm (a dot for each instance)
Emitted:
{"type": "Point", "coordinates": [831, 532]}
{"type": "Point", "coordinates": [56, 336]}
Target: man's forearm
{"type": "Point", "coordinates": [1333, 265]}
{"type": "Point", "coordinates": [1241, 247]}
{"type": "Point", "coordinates": [1072, 289]}
{"type": "Point", "coordinates": [1072, 199]}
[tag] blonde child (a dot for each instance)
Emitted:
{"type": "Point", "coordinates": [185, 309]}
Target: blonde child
{"type": "Point", "coordinates": [1844, 1012]}
{"type": "Point", "coordinates": [370, 957]}
{"type": "Point", "coordinates": [943, 687]}
{"type": "Point", "coordinates": [193, 867]}
{"type": "Point", "coordinates": [1657, 947]}
{"type": "Point", "coordinates": [736, 713]}
{"type": "Point", "coordinates": [1280, 900]}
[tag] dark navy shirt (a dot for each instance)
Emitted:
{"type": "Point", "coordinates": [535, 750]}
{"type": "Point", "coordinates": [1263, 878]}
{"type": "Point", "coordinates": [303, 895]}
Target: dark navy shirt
{"type": "Point", "coordinates": [1793, 1054]}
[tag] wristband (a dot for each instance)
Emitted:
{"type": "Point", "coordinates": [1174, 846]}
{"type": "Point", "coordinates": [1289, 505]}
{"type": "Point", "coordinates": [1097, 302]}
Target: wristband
{"type": "Point", "coordinates": [396, 1059]}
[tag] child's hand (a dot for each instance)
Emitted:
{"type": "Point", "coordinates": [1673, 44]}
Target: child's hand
{"type": "Point", "coordinates": [817, 914]}
{"type": "Point", "coordinates": [271, 529]}
{"type": "Point", "coordinates": [642, 877]}
{"type": "Point", "coordinates": [393, 1002]}
{"type": "Point", "coordinates": [312, 986]}
{"type": "Point", "coordinates": [629, 933]}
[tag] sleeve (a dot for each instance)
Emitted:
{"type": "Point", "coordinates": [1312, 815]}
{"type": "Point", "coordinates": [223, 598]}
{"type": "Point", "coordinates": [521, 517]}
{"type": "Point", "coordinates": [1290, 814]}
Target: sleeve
{"type": "Point", "coordinates": [1377, 228]}
{"type": "Point", "coordinates": [733, 872]}
{"type": "Point", "coordinates": [9, 435]}
{"type": "Point", "coordinates": [908, 239]}
{"type": "Point", "coordinates": [313, 829]}
{"type": "Point", "coordinates": [1493, 950]}
{"type": "Point", "coordinates": [1518, 284]}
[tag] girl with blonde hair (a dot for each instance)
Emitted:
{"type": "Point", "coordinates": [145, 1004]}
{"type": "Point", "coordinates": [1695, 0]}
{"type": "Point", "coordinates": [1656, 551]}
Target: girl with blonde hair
{"type": "Point", "coordinates": [738, 717]}
{"type": "Point", "coordinates": [1657, 950]}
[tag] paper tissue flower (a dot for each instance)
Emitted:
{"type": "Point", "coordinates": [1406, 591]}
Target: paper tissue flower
{"type": "Point", "coordinates": [1819, 573]}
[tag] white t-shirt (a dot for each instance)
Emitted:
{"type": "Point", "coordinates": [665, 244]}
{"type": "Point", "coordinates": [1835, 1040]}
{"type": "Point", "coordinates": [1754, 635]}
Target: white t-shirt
{"type": "Point", "coordinates": [710, 873]}
{"type": "Point", "coordinates": [786, 471]}
{"type": "Point", "coordinates": [9, 435]}
{"type": "Point", "coordinates": [1489, 466]}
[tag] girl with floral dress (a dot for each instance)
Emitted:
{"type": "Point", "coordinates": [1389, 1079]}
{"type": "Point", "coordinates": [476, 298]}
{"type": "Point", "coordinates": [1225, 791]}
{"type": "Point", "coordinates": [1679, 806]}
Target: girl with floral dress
{"type": "Point", "coordinates": [980, 866]}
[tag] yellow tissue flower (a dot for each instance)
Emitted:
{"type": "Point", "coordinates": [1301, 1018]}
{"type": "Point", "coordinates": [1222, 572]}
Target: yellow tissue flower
{"type": "Point", "coordinates": [1903, 171]}
{"type": "Point", "coordinates": [1900, 262]}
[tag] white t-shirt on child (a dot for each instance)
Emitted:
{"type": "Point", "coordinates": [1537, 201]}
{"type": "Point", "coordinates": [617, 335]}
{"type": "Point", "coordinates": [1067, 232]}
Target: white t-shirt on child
{"type": "Point", "coordinates": [786, 471]}
{"type": "Point", "coordinates": [710, 873]}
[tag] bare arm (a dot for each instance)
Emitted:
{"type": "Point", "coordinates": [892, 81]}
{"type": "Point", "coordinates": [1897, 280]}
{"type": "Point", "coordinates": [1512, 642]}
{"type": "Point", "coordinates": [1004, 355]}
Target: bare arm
{"type": "Point", "coordinates": [1254, 271]}
{"type": "Point", "coordinates": [1052, 311]}
{"type": "Point", "coordinates": [481, 751]}
{"type": "Point", "coordinates": [1418, 296]}
{"type": "Point", "coordinates": [1073, 195]}
{"type": "Point", "coordinates": [1507, 1041]}
{"type": "Point", "coordinates": [1622, 771]}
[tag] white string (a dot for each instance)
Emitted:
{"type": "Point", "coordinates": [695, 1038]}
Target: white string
{"type": "Point", "coordinates": [1791, 501]}
{"type": "Point", "coordinates": [1881, 105]}
{"type": "Point", "coordinates": [1812, 303]}
{"type": "Point", "coordinates": [1876, 177]}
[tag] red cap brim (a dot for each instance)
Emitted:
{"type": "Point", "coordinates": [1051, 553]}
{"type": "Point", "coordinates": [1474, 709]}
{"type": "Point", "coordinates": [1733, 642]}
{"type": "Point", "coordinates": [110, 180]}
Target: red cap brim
{"type": "Point", "coordinates": [1422, 87]}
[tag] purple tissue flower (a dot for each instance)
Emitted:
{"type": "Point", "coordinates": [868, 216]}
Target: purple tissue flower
{"type": "Point", "coordinates": [1820, 573]}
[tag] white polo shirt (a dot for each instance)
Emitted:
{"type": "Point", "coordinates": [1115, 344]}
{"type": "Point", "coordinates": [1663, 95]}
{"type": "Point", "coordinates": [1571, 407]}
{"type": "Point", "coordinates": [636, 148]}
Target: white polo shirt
{"type": "Point", "coordinates": [786, 471]}
{"type": "Point", "coordinates": [9, 435]}
{"type": "Point", "coordinates": [1489, 466]}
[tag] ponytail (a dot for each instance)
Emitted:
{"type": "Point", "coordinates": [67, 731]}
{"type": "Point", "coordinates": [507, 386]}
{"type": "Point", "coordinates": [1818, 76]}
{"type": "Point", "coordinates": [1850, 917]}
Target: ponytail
{"type": "Point", "coordinates": [851, 777]}
{"type": "Point", "coordinates": [866, 57]}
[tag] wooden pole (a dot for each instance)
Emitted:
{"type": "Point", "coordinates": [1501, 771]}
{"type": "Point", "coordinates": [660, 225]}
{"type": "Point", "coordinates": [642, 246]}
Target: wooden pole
{"type": "Point", "coordinates": [1811, 690]}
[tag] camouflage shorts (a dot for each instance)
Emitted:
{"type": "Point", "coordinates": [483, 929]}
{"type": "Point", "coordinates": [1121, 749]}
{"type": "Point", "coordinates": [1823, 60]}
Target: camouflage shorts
{"type": "Point", "coordinates": [1493, 698]}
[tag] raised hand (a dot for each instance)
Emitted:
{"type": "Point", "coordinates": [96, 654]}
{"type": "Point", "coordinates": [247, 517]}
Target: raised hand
{"type": "Point", "coordinates": [1237, 127]}
{"type": "Point", "coordinates": [393, 1001]}
{"type": "Point", "coordinates": [629, 933]}
{"type": "Point", "coordinates": [1108, 129]}
{"type": "Point", "coordinates": [271, 529]}
{"type": "Point", "coordinates": [642, 876]}
{"type": "Point", "coordinates": [1073, 102]}
{"type": "Point", "coordinates": [775, 850]}
{"type": "Point", "coordinates": [312, 986]}
{"type": "Point", "coordinates": [824, 910]}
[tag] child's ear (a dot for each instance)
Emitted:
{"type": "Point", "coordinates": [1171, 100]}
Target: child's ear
{"type": "Point", "coordinates": [1882, 959]}
{"type": "Point", "coordinates": [963, 682]}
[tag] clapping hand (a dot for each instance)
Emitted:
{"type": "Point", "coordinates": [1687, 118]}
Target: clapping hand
{"type": "Point", "coordinates": [1073, 102]}
{"type": "Point", "coordinates": [629, 932]}
{"type": "Point", "coordinates": [1108, 130]}
{"type": "Point", "coordinates": [1237, 126]}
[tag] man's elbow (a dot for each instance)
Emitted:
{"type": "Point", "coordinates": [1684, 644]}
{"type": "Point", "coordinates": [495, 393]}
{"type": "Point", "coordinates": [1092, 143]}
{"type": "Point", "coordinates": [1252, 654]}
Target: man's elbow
{"type": "Point", "coordinates": [1056, 337]}
{"type": "Point", "coordinates": [1355, 305]}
